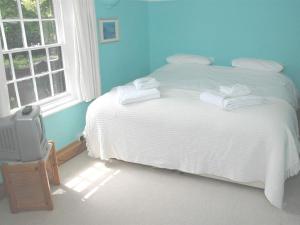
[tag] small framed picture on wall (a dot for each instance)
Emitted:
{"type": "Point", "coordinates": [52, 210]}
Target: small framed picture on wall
{"type": "Point", "coordinates": [109, 30]}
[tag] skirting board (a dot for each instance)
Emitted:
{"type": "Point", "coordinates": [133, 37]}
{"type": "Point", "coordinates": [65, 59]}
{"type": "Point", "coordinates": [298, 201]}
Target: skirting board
{"type": "Point", "coordinates": [70, 151]}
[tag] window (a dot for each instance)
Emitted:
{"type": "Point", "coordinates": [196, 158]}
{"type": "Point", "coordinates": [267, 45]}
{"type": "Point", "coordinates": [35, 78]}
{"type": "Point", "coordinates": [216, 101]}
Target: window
{"type": "Point", "coordinates": [32, 52]}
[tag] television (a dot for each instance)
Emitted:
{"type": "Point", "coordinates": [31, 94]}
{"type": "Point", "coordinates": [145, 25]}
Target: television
{"type": "Point", "coordinates": [22, 136]}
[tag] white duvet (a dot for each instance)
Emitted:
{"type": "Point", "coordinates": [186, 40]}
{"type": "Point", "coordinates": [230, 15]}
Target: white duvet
{"type": "Point", "coordinates": [178, 131]}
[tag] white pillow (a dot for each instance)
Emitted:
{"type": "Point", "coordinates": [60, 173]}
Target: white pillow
{"type": "Point", "coordinates": [184, 59]}
{"type": "Point", "coordinates": [257, 64]}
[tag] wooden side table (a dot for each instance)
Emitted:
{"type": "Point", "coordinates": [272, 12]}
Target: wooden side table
{"type": "Point", "coordinates": [28, 183]}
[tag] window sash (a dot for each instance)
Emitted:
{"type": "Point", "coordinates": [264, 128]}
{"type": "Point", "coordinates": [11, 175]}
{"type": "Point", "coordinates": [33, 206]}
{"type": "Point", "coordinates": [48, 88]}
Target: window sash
{"type": "Point", "coordinates": [33, 74]}
{"type": "Point", "coordinates": [60, 37]}
{"type": "Point", "coordinates": [22, 22]}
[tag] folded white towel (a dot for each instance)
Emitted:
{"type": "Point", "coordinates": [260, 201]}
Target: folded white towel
{"type": "Point", "coordinates": [212, 97]}
{"type": "Point", "coordinates": [146, 83]}
{"type": "Point", "coordinates": [243, 101]}
{"type": "Point", "coordinates": [129, 94]}
{"type": "Point", "coordinates": [222, 101]}
{"type": "Point", "coordinates": [236, 90]}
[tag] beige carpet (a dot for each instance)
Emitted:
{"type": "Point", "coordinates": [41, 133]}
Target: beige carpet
{"type": "Point", "coordinates": [119, 193]}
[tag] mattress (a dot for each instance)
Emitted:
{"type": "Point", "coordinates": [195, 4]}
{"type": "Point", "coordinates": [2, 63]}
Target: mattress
{"type": "Point", "coordinates": [257, 144]}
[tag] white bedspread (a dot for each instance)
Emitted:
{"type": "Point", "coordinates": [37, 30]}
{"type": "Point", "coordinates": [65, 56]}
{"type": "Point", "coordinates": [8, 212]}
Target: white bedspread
{"type": "Point", "coordinates": [178, 131]}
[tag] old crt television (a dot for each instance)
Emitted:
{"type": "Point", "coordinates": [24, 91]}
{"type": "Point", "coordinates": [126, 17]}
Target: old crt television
{"type": "Point", "coordinates": [22, 136]}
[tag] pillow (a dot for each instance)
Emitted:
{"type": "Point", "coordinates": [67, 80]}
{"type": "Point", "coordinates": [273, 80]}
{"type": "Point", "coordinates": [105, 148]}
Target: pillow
{"type": "Point", "coordinates": [257, 64]}
{"type": "Point", "coordinates": [184, 59]}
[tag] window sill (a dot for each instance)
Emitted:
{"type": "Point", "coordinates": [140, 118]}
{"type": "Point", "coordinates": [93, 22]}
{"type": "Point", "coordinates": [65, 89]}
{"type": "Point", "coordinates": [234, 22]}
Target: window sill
{"type": "Point", "coordinates": [57, 104]}
{"type": "Point", "coordinates": [64, 102]}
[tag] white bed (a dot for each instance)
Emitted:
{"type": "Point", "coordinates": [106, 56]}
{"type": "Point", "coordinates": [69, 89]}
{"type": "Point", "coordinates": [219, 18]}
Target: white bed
{"type": "Point", "coordinates": [255, 145]}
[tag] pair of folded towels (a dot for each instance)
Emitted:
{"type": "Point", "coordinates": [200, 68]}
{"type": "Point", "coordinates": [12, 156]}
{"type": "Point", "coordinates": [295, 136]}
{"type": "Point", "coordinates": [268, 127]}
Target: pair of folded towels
{"type": "Point", "coordinates": [231, 98]}
{"type": "Point", "coordinates": [143, 89]}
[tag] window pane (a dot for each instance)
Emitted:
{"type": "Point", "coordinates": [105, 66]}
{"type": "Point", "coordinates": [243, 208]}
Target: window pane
{"type": "Point", "coordinates": [47, 9]}
{"type": "Point", "coordinates": [49, 32]}
{"type": "Point", "coordinates": [21, 64]}
{"type": "Point", "coordinates": [13, 35]}
{"type": "Point", "coordinates": [29, 8]}
{"type": "Point", "coordinates": [43, 87]}
{"type": "Point", "coordinates": [26, 92]}
{"type": "Point", "coordinates": [33, 33]}
{"type": "Point", "coordinates": [9, 9]}
{"type": "Point", "coordinates": [59, 84]}
{"type": "Point", "coordinates": [55, 58]}
{"type": "Point", "coordinates": [39, 59]}
{"type": "Point", "coordinates": [7, 68]}
{"type": "Point", "coordinates": [12, 96]}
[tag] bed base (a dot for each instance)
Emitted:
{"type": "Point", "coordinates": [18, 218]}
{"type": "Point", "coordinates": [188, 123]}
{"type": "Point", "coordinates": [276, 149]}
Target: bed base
{"type": "Point", "coordinates": [255, 184]}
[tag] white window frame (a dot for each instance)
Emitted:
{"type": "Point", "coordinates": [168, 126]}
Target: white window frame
{"type": "Point", "coordinates": [58, 102]}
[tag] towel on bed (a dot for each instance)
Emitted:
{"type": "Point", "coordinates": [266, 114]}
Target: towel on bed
{"type": "Point", "coordinates": [146, 83]}
{"type": "Point", "coordinates": [243, 101]}
{"type": "Point", "coordinates": [129, 94]}
{"type": "Point", "coordinates": [230, 103]}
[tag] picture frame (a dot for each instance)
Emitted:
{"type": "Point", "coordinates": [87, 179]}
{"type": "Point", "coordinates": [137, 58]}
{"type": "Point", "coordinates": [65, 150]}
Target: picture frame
{"type": "Point", "coordinates": [109, 30]}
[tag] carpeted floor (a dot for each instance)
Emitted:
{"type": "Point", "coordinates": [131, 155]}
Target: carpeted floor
{"type": "Point", "coordinates": [119, 193]}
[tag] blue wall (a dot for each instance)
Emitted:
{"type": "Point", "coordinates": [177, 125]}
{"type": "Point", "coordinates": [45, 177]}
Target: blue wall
{"type": "Point", "coordinates": [66, 126]}
{"type": "Point", "coordinates": [123, 61]}
{"type": "Point", "coordinates": [268, 29]}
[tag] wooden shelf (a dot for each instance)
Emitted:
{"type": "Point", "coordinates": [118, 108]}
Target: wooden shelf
{"type": "Point", "coordinates": [28, 183]}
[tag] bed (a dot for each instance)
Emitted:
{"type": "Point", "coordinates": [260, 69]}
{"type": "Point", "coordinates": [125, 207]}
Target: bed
{"type": "Point", "coordinates": [257, 145]}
